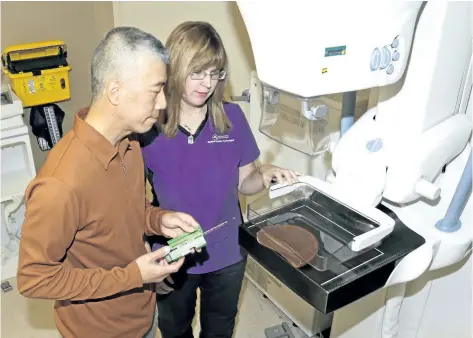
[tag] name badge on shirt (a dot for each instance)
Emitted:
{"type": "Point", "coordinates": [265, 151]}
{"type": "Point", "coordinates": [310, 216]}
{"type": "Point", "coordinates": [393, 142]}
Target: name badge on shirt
{"type": "Point", "coordinates": [220, 139]}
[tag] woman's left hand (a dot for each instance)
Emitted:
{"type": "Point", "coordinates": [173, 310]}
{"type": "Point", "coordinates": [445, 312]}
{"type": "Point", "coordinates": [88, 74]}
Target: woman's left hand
{"type": "Point", "coordinates": [283, 176]}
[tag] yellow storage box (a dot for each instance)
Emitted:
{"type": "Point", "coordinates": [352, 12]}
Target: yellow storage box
{"type": "Point", "coordinates": [38, 72]}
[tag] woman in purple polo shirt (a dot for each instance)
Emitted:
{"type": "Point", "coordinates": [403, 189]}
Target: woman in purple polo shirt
{"type": "Point", "coordinates": [203, 155]}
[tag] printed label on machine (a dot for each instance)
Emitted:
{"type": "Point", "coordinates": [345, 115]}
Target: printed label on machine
{"type": "Point", "coordinates": [334, 51]}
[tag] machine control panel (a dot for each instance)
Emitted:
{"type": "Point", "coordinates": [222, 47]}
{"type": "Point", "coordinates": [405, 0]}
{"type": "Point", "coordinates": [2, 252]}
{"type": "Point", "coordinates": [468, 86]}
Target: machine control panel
{"type": "Point", "coordinates": [375, 59]}
{"type": "Point", "coordinates": [384, 58]}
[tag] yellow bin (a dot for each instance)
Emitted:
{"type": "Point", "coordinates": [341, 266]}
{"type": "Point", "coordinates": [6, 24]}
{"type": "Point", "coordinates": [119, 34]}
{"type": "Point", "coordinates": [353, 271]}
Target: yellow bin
{"type": "Point", "coordinates": [38, 72]}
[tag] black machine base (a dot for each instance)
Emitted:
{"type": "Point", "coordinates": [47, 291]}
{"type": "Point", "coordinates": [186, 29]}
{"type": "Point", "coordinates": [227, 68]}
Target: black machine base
{"type": "Point", "coordinates": [325, 290]}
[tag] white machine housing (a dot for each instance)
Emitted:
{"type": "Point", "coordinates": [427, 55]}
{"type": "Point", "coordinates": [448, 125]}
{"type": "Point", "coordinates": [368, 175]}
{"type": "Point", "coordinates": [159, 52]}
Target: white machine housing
{"type": "Point", "coordinates": [12, 109]}
{"type": "Point", "coordinates": [18, 170]}
{"type": "Point", "coordinates": [341, 52]}
{"type": "Point", "coordinates": [315, 48]}
{"type": "Point", "coordinates": [419, 125]}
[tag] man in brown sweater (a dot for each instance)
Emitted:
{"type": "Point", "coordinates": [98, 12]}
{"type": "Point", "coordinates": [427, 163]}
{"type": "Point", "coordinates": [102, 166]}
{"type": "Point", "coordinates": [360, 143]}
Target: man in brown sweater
{"type": "Point", "coordinates": [82, 240]}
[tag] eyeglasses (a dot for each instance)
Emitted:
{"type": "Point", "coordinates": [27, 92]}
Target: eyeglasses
{"type": "Point", "coordinates": [214, 75]}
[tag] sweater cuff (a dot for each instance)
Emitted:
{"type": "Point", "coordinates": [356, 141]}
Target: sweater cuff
{"type": "Point", "coordinates": [134, 276]}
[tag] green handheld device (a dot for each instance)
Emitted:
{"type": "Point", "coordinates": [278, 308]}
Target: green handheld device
{"type": "Point", "coordinates": [184, 244]}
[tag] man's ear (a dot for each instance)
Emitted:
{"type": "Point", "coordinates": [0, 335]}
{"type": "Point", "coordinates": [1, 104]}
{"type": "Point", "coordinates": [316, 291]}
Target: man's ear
{"type": "Point", "coordinates": [113, 92]}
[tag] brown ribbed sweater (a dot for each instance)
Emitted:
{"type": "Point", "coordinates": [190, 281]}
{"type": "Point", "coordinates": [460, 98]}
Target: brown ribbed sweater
{"type": "Point", "coordinates": [86, 214]}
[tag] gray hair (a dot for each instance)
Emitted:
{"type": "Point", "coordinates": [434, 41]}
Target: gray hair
{"type": "Point", "coordinates": [117, 54]}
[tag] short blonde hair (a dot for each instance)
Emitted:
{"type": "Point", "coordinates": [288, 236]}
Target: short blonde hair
{"type": "Point", "coordinates": [194, 46]}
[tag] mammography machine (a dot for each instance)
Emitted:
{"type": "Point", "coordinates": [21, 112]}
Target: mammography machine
{"type": "Point", "coordinates": [390, 213]}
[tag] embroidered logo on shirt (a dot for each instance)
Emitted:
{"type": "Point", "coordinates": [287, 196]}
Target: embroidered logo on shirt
{"type": "Point", "coordinates": [220, 139]}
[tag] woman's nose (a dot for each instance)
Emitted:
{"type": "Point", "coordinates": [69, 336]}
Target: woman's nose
{"type": "Point", "coordinates": [207, 81]}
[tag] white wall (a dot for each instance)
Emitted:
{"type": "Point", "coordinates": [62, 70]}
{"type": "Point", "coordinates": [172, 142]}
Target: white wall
{"type": "Point", "coordinates": [80, 25]}
{"type": "Point", "coordinates": [160, 18]}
